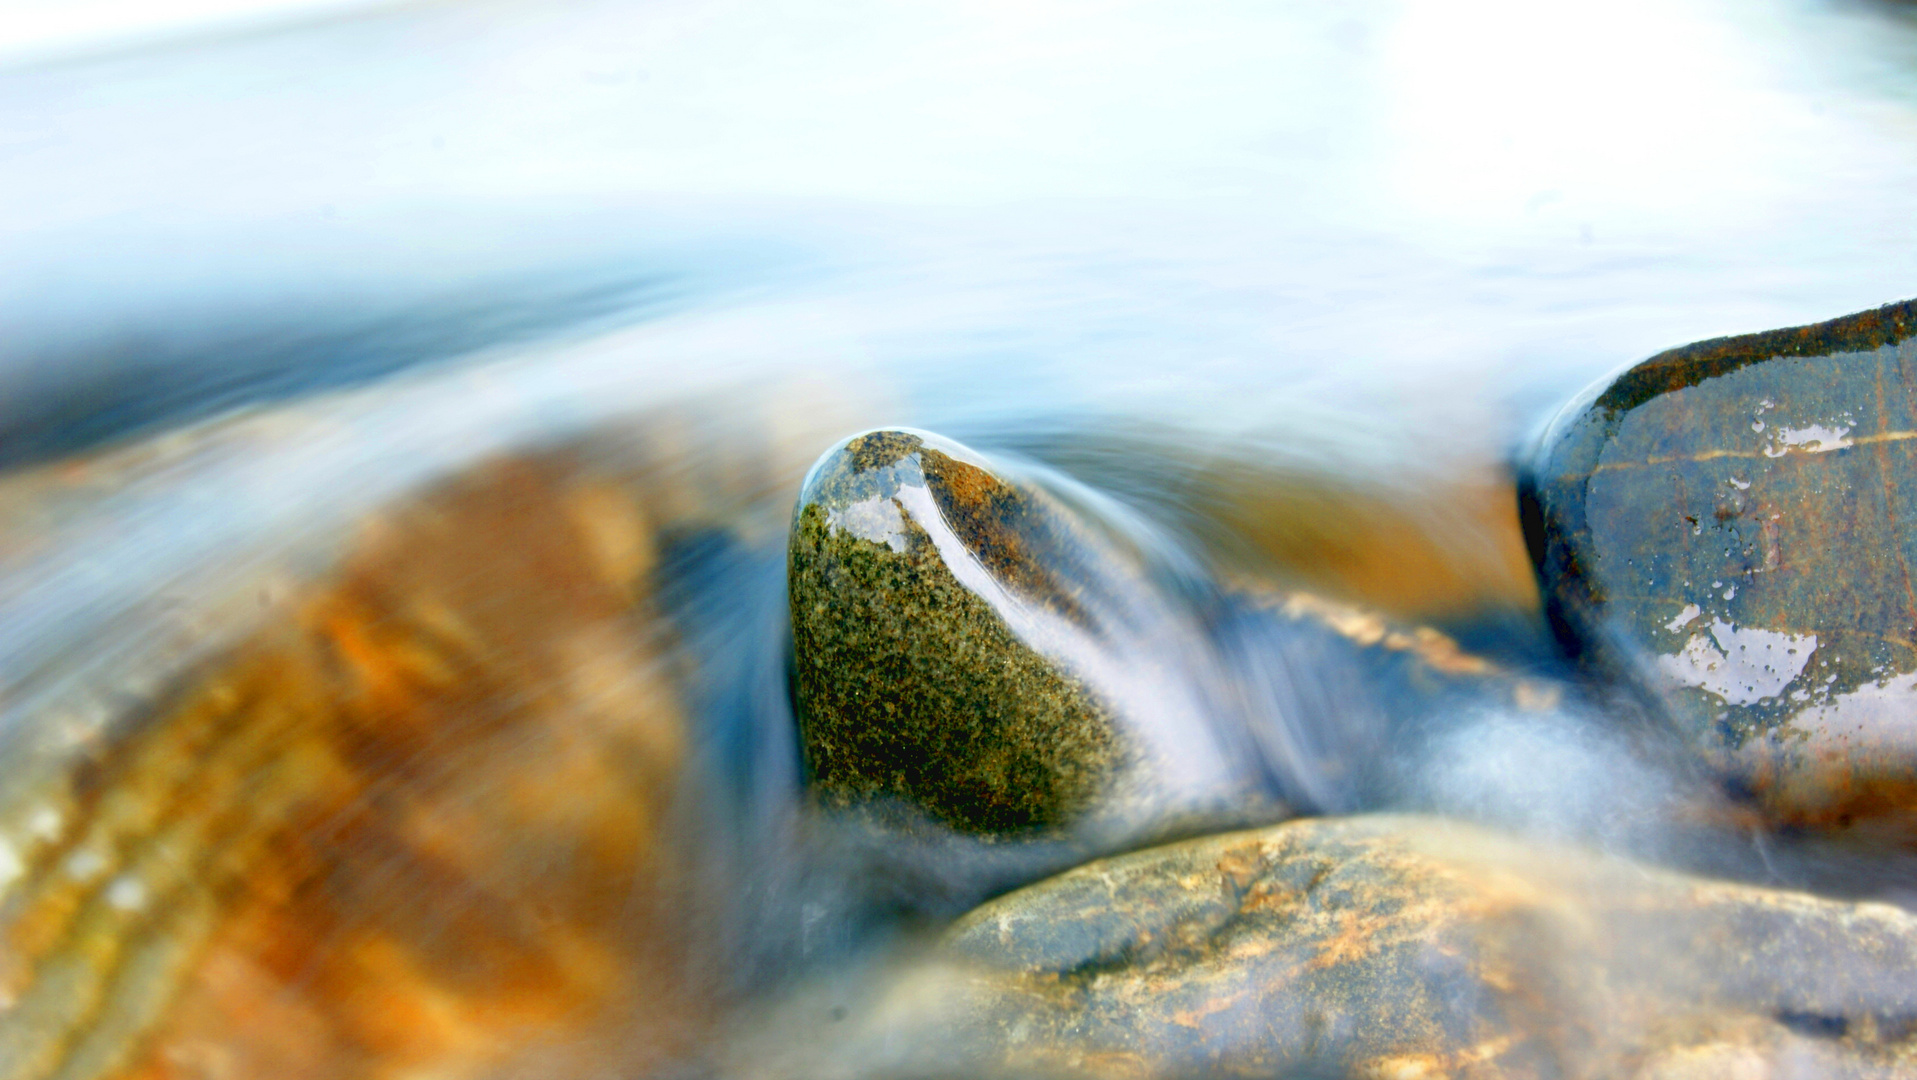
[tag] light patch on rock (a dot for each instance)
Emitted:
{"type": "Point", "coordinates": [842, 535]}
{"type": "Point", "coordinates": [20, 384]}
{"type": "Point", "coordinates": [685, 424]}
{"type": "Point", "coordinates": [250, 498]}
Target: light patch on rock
{"type": "Point", "coordinates": [45, 823]}
{"type": "Point", "coordinates": [1684, 617]}
{"type": "Point", "coordinates": [11, 865]}
{"type": "Point", "coordinates": [127, 893]}
{"type": "Point", "coordinates": [1739, 664]}
{"type": "Point", "coordinates": [876, 519]}
{"type": "Point", "coordinates": [84, 863]}
{"type": "Point", "coordinates": [1811, 438]}
{"type": "Point", "coordinates": [1872, 716]}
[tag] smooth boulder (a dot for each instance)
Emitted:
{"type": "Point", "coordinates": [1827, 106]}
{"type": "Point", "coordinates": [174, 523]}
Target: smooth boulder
{"type": "Point", "coordinates": [1731, 526]}
{"type": "Point", "coordinates": [1386, 946]}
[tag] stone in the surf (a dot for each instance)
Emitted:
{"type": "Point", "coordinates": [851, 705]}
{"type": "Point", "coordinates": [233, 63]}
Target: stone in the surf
{"type": "Point", "coordinates": [908, 555]}
{"type": "Point", "coordinates": [1395, 946]}
{"type": "Point", "coordinates": [1733, 525]}
{"type": "Point", "coordinates": [962, 643]}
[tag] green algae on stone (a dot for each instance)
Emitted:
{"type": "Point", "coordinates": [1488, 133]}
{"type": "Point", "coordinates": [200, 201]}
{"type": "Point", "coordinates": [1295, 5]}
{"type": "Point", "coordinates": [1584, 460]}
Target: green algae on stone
{"type": "Point", "coordinates": [907, 558]}
{"type": "Point", "coordinates": [1733, 524]}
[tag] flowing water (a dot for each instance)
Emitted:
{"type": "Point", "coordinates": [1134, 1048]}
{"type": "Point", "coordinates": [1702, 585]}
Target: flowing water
{"type": "Point", "coordinates": [1281, 287]}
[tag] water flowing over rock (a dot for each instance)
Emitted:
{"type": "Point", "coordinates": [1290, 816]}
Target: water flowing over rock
{"type": "Point", "coordinates": [972, 646]}
{"type": "Point", "coordinates": [1392, 946]}
{"type": "Point", "coordinates": [1730, 524]}
{"type": "Point", "coordinates": [968, 646]}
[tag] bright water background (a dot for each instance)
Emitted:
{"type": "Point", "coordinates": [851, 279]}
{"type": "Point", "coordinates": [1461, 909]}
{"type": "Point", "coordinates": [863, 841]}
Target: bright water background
{"type": "Point", "coordinates": [1420, 222]}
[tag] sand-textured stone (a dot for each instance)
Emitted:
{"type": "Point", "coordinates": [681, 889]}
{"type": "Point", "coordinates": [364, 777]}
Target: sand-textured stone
{"type": "Point", "coordinates": [1394, 947]}
{"type": "Point", "coordinates": [1733, 524]}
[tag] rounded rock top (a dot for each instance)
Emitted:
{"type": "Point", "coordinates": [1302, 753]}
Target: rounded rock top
{"type": "Point", "coordinates": [1732, 526]}
{"type": "Point", "coordinates": [936, 607]}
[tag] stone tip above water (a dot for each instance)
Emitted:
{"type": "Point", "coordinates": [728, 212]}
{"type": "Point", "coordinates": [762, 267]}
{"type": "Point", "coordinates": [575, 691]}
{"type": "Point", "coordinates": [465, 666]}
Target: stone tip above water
{"type": "Point", "coordinates": [1730, 525]}
{"type": "Point", "coordinates": [920, 580]}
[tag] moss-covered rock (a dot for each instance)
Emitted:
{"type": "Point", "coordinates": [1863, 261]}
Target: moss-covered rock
{"type": "Point", "coordinates": [1733, 524]}
{"type": "Point", "coordinates": [933, 604]}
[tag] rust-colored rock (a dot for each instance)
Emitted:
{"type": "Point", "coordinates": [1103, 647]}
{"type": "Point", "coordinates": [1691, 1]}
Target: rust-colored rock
{"type": "Point", "coordinates": [415, 829]}
{"type": "Point", "coordinates": [1732, 525]}
{"type": "Point", "coordinates": [1392, 947]}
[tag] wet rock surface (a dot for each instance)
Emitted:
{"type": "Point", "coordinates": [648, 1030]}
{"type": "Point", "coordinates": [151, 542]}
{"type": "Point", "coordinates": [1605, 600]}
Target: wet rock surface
{"type": "Point", "coordinates": [329, 853]}
{"type": "Point", "coordinates": [438, 812]}
{"type": "Point", "coordinates": [971, 647]}
{"type": "Point", "coordinates": [1730, 524]}
{"type": "Point", "coordinates": [1394, 946]}
{"type": "Point", "coordinates": [449, 810]}
{"type": "Point", "coordinates": [958, 638]}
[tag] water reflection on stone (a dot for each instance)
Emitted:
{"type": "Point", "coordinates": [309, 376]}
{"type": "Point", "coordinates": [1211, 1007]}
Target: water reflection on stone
{"type": "Point", "coordinates": [1730, 522]}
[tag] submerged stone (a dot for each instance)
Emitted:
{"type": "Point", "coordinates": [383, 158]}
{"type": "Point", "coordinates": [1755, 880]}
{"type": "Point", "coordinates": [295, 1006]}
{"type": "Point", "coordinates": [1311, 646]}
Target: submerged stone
{"type": "Point", "coordinates": [1393, 946]}
{"type": "Point", "coordinates": [969, 647]}
{"type": "Point", "coordinates": [1732, 524]}
{"type": "Point", "coordinates": [1345, 705]}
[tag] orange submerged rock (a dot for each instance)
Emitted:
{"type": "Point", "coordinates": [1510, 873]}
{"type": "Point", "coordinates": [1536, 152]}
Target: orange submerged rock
{"type": "Point", "coordinates": [420, 828]}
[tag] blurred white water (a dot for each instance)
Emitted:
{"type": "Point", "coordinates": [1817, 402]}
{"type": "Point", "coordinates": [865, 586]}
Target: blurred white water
{"type": "Point", "coordinates": [1432, 217]}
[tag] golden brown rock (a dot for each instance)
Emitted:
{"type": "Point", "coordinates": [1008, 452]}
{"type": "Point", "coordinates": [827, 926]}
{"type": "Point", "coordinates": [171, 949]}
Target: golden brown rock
{"type": "Point", "coordinates": [414, 809]}
{"type": "Point", "coordinates": [400, 834]}
{"type": "Point", "coordinates": [1393, 947]}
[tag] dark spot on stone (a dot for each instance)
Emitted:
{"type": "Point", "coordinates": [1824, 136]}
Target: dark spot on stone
{"type": "Point", "coordinates": [1815, 1025]}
